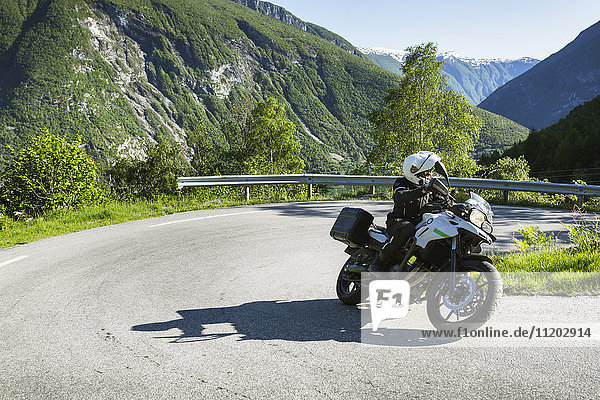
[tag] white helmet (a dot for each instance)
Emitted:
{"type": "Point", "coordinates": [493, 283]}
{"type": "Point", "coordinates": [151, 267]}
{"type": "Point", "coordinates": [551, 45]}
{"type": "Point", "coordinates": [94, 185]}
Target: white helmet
{"type": "Point", "coordinates": [417, 166]}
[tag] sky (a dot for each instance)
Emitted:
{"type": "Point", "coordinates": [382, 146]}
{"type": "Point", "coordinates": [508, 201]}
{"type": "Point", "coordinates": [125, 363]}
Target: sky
{"type": "Point", "coordinates": [479, 29]}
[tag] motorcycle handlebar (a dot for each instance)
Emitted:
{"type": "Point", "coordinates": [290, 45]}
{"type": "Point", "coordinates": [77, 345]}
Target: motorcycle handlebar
{"type": "Point", "coordinates": [438, 206]}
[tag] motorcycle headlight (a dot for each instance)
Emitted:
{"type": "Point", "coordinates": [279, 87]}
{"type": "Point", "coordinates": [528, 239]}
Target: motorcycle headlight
{"type": "Point", "coordinates": [477, 217]}
{"type": "Point", "coordinates": [487, 227]}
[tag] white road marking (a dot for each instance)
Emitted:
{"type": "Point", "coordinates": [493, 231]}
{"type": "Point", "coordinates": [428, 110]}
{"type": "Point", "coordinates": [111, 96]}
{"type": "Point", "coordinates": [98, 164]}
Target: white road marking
{"type": "Point", "coordinates": [12, 261]}
{"type": "Point", "coordinates": [207, 217]}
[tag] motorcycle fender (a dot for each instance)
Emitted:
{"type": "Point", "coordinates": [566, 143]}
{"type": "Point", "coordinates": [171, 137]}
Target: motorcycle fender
{"type": "Point", "coordinates": [465, 259]}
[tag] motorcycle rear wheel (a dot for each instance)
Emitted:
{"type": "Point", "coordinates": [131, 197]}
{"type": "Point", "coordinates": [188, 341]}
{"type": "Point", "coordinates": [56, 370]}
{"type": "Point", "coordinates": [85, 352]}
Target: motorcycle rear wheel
{"type": "Point", "coordinates": [487, 294]}
{"type": "Point", "coordinates": [348, 291]}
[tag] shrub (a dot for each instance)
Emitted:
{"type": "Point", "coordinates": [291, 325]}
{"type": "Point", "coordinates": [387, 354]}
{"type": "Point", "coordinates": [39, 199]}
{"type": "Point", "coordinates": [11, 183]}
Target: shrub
{"type": "Point", "coordinates": [155, 175]}
{"type": "Point", "coordinates": [584, 234]}
{"type": "Point", "coordinates": [533, 237]}
{"type": "Point", "coordinates": [514, 169]}
{"type": "Point", "coordinates": [49, 174]}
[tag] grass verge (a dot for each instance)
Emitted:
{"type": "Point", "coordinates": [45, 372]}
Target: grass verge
{"type": "Point", "coordinates": [566, 283]}
{"type": "Point", "coordinates": [550, 271]}
{"type": "Point", "coordinates": [15, 232]}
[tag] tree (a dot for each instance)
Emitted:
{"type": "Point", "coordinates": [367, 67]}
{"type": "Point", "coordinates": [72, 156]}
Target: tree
{"type": "Point", "coordinates": [259, 142]}
{"type": "Point", "coordinates": [156, 174]}
{"type": "Point", "coordinates": [48, 174]}
{"type": "Point", "coordinates": [514, 169]}
{"type": "Point", "coordinates": [423, 113]}
{"type": "Point", "coordinates": [207, 155]}
{"type": "Point", "coordinates": [270, 142]}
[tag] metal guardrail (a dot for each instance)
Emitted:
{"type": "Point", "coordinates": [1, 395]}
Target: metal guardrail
{"type": "Point", "coordinates": [366, 180]}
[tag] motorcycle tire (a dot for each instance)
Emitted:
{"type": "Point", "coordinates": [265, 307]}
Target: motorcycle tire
{"type": "Point", "coordinates": [483, 312]}
{"type": "Point", "coordinates": [348, 292]}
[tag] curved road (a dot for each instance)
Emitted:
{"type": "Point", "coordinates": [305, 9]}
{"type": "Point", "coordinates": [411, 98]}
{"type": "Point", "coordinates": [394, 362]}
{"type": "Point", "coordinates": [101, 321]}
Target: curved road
{"type": "Point", "coordinates": [240, 303]}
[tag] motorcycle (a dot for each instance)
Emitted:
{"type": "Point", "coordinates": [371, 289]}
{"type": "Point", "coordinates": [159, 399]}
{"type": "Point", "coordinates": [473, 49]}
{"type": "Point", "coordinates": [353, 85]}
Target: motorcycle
{"type": "Point", "coordinates": [442, 262]}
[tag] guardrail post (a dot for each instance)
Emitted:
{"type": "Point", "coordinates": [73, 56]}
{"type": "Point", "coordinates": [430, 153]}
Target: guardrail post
{"type": "Point", "coordinates": [373, 190]}
{"type": "Point", "coordinates": [580, 200]}
{"type": "Point", "coordinates": [247, 189]}
{"type": "Point", "coordinates": [506, 192]}
{"type": "Point", "coordinates": [310, 190]}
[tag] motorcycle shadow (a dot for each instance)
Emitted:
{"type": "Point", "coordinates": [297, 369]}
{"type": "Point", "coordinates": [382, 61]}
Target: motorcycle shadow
{"type": "Point", "coordinates": [299, 321]}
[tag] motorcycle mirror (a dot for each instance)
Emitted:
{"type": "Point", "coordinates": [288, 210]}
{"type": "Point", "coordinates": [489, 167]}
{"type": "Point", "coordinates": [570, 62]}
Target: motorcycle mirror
{"type": "Point", "coordinates": [441, 169]}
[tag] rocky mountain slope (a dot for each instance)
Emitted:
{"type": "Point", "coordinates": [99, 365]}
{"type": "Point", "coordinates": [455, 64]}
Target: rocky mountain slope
{"type": "Point", "coordinates": [474, 78]}
{"type": "Point", "coordinates": [552, 88]}
{"type": "Point", "coordinates": [117, 72]}
{"type": "Point", "coordinates": [280, 13]}
{"type": "Point", "coordinates": [120, 72]}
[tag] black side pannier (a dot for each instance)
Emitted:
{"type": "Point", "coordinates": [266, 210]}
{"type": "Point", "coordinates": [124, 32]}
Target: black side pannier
{"type": "Point", "coordinates": [351, 226]}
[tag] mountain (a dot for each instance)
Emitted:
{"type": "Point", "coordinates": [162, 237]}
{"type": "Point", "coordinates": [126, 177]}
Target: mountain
{"type": "Point", "coordinates": [568, 149]}
{"type": "Point", "coordinates": [120, 72]}
{"type": "Point", "coordinates": [552, 88]}
{"type": "Point", "coordinates": [474, 78]}
{"type": "Point", "coordinates": [280, 13]}
{"type": "Point", "coordinates": [497, 133]}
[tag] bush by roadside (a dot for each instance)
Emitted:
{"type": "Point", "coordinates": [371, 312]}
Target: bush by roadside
{"type": "Point", "coordinates": [47, 175]}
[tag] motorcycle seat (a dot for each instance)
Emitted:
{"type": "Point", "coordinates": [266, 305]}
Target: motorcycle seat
{"type": "Point", "coordinates": [382, 229]}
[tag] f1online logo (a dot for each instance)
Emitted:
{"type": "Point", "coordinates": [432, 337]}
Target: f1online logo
{"type": "Point", "coordinates": [388, 300]}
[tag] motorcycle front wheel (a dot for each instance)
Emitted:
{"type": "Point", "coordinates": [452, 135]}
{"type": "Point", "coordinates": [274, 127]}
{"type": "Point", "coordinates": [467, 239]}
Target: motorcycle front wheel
{"type": "Point", "coordinates": [470, 304]}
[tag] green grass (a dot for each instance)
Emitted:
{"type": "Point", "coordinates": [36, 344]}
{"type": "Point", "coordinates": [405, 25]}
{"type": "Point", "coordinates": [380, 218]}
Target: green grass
{"type": "Point", "coordinates": [551, 270]}
{"type": "Point", "coordinates": [566, 283]}
{"type": "Point", "coordinates": [549, 260]}
{"type": "Point", "coordinates": [113, 211]}
{"type": "Point", "coordinates": [545, 267]}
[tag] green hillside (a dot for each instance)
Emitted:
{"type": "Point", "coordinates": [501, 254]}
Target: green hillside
{"type": "Point", "coordinates": [386, 62]}
{"type": "Point", "coordinates": [497, 132]}
{"type": "Point", "coordinates": [119, 72]}
{"type": "Point", "coordinates": [567, 150]}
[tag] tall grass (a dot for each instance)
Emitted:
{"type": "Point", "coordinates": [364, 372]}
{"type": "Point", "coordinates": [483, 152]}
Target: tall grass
{"type": "Point", "coordinates": [549, 260]}
{"type": "Point", "coordinates": [542, 266]}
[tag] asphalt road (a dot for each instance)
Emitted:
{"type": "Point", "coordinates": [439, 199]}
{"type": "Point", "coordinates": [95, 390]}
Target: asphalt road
{"type": "Point", "coordinates": [240, 303]}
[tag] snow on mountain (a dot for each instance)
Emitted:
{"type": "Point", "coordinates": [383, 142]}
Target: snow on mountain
{"type": "Point", "coordinates": [475, 78]}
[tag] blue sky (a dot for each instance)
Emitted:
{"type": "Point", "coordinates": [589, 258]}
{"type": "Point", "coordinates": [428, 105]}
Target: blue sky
{"type": "Point", "coordinates": [480, 29]}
